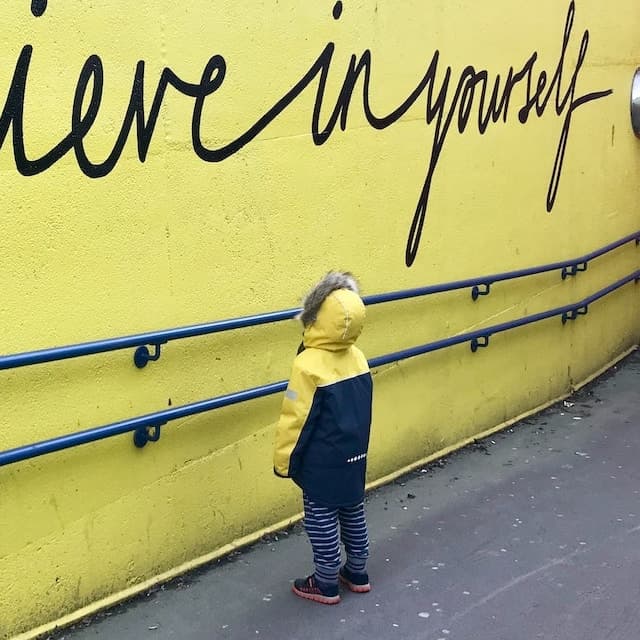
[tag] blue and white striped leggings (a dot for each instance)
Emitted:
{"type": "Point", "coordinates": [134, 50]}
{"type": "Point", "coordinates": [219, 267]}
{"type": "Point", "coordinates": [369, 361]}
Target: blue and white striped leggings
{"type": "Point", "coordinates": [321, 525]}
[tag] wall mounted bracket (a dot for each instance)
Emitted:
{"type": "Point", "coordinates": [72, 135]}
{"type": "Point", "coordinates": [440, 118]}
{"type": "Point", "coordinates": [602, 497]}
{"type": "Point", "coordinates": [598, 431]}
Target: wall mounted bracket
{"type": "Point", "coordinates": [476, 292]}
{"type": "Point", "coordinates": [574, 313]}
{"type": "Point", "coordinates": [479, 343]}
{"type": "Point", "coordinates": [142, 355]}
{"type": "Point", "coordinates": [574, 269]}
{"type": "Point", "coordinates": [142, 435]}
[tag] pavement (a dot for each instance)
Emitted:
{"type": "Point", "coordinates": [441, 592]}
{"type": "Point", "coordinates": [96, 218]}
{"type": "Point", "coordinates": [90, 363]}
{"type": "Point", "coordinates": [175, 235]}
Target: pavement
{"type": "Point", "coordinates": [531, 533]}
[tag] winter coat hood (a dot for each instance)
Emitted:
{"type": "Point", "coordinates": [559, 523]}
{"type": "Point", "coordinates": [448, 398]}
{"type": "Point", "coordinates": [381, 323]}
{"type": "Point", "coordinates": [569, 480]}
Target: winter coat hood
{"type": "Point", "coordinates": [333, 313]}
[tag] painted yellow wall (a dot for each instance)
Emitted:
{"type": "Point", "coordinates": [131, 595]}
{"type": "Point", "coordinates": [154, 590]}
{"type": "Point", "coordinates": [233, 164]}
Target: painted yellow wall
{"type": "Point", "coordinates": [177, 240]}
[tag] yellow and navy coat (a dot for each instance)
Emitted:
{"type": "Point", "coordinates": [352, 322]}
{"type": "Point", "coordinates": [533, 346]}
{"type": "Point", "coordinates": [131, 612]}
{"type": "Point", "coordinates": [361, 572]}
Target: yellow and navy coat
{"type": "Point", "coordinates": [323, 432]}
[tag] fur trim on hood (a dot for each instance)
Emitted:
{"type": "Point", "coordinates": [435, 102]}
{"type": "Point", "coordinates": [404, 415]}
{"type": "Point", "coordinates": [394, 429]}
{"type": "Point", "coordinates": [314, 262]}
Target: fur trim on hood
{"type": "Point", "coordinates": [333, 281]}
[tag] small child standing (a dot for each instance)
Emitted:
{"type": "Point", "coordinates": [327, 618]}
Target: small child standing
{"type": "Point", "coordinates": [323, 436]}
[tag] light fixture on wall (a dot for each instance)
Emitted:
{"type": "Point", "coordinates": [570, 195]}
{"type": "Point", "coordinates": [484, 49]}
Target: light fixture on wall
{"type": "Point", "coordinates": [635, 103]}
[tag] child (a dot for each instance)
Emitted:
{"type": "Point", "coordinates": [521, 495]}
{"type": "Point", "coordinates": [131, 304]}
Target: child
{"type": "Point", "coordinates": [323, 436]}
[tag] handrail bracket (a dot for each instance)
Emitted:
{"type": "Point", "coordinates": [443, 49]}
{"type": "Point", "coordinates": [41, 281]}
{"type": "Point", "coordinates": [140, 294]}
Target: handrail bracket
{"type": "Point", "coordinates": [142, 355]}
{"type": "Point", "coordinates": [574, 313]}
{"type": "Point", "coordinates": [479, 343]}
{"type": "Point", "coordinates": [150, 433]}
{"type": "Point", "coordinates": [476, 292]}
{"type": "Point", "coordinates": [574, 269]}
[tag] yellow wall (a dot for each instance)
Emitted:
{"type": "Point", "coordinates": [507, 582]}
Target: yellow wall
{"type": "Point", "coordinates": [179, 239]}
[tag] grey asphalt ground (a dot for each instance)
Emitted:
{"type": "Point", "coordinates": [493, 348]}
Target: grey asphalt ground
{"type": "Point", "coordinates": [531, 533]}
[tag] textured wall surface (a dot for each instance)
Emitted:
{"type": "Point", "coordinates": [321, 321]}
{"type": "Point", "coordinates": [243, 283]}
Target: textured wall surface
{"type": "Point", "coordinates": [167, 163]}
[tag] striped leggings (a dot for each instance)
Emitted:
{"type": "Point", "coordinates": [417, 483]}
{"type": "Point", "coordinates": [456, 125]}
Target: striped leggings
{"type": "Point", "coordinates": [321, 525]}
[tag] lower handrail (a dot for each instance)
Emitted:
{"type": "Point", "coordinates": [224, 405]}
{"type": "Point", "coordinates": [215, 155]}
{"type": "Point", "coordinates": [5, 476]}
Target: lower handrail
{"type": "Point", "coordinates": [141, 424]}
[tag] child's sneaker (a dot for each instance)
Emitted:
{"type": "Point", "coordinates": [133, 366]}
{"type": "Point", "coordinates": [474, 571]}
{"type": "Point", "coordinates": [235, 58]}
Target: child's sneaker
{"type": "Point", "coordinates": [356, 582]}
{"type": "Point", "coordinates": [309, 589]}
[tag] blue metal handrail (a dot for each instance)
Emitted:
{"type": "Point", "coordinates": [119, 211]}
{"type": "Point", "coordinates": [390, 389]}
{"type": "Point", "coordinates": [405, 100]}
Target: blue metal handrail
{"type": "Point", "coordinates": [157, 338]}
{"type": "Point", "coordinates": [480, 337]}
{"type": "Point", "coordinates": [567, 268]}
{"type": "Point", "coordinates": [141, 424]}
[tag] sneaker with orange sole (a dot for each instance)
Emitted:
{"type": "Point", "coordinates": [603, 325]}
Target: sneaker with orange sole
{"type": "Point", "coordinates": [309, 589]}
{"type": "Point", "coordinates": [356, 582]}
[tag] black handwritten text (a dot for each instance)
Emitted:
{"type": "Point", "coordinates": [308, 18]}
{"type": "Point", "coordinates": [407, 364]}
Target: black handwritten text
{"type": "Point", "coordinates": [473, 99]}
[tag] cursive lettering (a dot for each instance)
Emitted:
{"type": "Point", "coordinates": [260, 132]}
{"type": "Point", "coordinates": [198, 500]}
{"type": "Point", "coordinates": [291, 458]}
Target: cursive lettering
{"type": "Point", "coordinates": [473, 99]}
{"type": "Point", "coordinates": [38, 7]}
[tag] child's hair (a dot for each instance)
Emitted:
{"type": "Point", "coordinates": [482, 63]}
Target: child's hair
{"type": "Point", "coordinates": [333, 281]}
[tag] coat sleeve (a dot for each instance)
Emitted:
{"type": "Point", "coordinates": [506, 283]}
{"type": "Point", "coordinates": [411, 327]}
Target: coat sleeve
{"type": "Point", "coordinates": [296, 405]}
